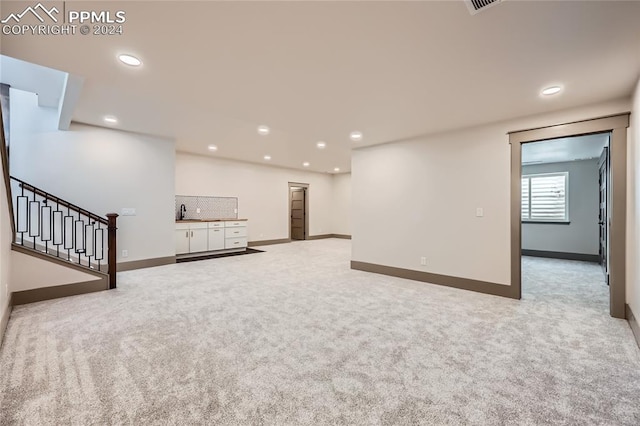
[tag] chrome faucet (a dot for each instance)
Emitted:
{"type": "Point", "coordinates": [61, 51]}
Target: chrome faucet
{"type": "Point", "coordinates": [183, 210]}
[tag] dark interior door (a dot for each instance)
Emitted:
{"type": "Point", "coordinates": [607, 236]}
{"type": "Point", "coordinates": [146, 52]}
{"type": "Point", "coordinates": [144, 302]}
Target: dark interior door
{"type": "Point", "coordinates": [297, 213]}
{"type": "Point", "coordinates": [603, 167]}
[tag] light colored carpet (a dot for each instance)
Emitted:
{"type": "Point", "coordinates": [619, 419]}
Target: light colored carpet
{"type": "Point", "coordinates": [293, 336]}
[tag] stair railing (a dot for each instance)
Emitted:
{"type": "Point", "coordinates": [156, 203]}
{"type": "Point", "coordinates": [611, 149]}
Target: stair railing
{"type": "Point", "coordinates": [51, 225]}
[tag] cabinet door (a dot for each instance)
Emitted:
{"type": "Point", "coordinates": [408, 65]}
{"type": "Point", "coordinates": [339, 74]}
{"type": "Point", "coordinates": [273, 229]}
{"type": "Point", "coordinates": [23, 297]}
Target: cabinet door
{"type": "Point", "coordinates": [198, 240]}
{"type": "Point", "coordinates": [216, 239]}
{"type": "Point", "coordinates": [182, 241]}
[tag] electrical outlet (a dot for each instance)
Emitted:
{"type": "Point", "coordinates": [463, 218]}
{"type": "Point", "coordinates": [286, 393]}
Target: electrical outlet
{"type": "Point", "coordinates": [479, 212]}
{"type": "Point", "coordinates": [423, 261]}
{"type": "Point", "coordinates": [125, 253]}
{"type": "Point", "coordinates": [197, 210]}
{"type": "Point", "coordinates": [128, 211]}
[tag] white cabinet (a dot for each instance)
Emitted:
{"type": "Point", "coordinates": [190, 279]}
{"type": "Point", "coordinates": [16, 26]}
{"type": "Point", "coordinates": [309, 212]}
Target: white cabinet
{"type": "Point", "coordinates": [196, 237]}
{"type": "Point", "coordinates": [182, 238]}
{"type": "Point", "coordinates": [191, 237]}
{"type": "Point", "coordinates": [235, 234]}
{"type": "Point", "coordinates": [216, 236]}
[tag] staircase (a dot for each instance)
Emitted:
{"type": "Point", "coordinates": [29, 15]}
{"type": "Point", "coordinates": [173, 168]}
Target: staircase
{"type": "Point", "coordinates": [55, 230]}
{"type": "Point", "coordinates": [63, 231]}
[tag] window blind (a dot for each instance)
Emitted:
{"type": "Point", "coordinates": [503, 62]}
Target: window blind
{"type": "Point", "coordinates": [544, 197]}
{"type": "Point", "coordinates": [525, 198]}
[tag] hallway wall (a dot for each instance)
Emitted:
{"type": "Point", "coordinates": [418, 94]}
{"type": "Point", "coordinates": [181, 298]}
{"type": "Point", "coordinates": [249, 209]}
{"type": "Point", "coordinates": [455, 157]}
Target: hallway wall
{"type": "Point", "coordinates": [418, 198]}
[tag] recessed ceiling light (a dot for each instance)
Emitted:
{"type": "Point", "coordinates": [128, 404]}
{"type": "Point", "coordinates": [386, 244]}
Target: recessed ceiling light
{"type": "Point", "coordinates": [355, 136]}
{"type": "Point", "coordinates": [321, 145]}
{"type": "Point", "coordinates": [212, 148]}
{"type": "Point", "coordinates": [336, 169]}
{"type": "Point", "coordinates": [267, 157]}
{"type": "Point", "coordinates": [110, 119]}
{"type": "Point", "coordinates": [551, 90]}
{"type": "Point", "coordinates": [305, 164]}
{"type": "Point", "coordinates": [130, 60]}
{"type": "Point", "coordinates": [263, 130]}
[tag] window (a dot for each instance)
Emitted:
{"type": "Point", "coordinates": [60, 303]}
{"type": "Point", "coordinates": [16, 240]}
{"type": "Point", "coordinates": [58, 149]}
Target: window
{"type": "Point", "coordinates": [544, 197]}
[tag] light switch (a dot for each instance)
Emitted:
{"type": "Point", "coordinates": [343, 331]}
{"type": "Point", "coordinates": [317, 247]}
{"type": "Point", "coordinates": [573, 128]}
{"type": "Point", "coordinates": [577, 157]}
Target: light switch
{"type": "Point", "coordinates": [128, 211]}
{"type": "Point", "coordinates": [479, 212]}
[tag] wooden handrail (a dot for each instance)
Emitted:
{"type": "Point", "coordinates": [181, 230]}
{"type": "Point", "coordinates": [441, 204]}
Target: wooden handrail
{"type": "Point", "coordinates": [60, 201]}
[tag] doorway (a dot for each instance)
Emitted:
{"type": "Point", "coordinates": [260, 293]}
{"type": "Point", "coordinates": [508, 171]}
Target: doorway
{"type": "Point", "coordinates": [298, 209]}
{"type": "Point", "coordinates": [616, 192]}
{"type": "Point", "coordinates": [564, 220]}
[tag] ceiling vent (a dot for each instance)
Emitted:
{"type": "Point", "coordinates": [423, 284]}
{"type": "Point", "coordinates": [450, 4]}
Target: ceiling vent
{"type": "Point", "coordinates": [477, 6]}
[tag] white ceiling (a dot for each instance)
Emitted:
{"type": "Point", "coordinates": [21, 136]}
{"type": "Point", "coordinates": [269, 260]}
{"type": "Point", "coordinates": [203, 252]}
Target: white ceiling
{"type": "Point", "coordinates": [46, 82]}
{"type": "Point", "coordinates": [214, 71]}
{"type": "Point", "coordinates": [564, 149]}
{"type": "Point", "coordinates": [54, 89]}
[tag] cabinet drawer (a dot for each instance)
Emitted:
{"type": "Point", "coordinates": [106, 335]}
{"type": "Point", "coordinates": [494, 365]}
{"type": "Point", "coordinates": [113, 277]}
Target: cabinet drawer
{"type": "Point", "coordinates": [201, 225]}
{"type": "Point", "coordinates": [235, 232]}
{"type": "Point", "coordinates": [182, 226]}
{"type": "Point", "coordinates": [230, 243]}
{"type": "Point", "coordinates": [216, 225]}
{"type": "Point", "coordinates": [232, 224]}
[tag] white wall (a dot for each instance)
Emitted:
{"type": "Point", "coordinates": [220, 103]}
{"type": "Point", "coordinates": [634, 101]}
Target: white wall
{"type": "Point", "coordinates": [633, 207]}
{"type": "Point", "coordinates": [341, 204]}
{"type": "Point", "coordinates": [6, 236]}
{"type": "Point", "coordinates": [100, 169]}
{"type": "Point", "coordinates": [28, 272]}
{"type": "Point", "coordinates": [581, 234]}
{"type": "Point", "coordinates": [419, 198]}
{"type": "Point", "coordinates": [262, 191]}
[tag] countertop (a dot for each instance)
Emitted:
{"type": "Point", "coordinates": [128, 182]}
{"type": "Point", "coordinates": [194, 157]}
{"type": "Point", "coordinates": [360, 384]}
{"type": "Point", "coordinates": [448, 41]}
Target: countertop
{"type": "Point", "coordinates": [209, 220]}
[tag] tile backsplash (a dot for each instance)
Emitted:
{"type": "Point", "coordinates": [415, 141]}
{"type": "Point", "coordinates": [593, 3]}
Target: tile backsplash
{"type": "Point", "coordinates": [210, 207]}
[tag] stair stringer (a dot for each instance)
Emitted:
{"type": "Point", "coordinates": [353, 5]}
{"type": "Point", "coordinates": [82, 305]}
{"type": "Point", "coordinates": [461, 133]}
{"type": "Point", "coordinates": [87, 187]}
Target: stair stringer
{"type": "Point", "coordinates": [37, 276]}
